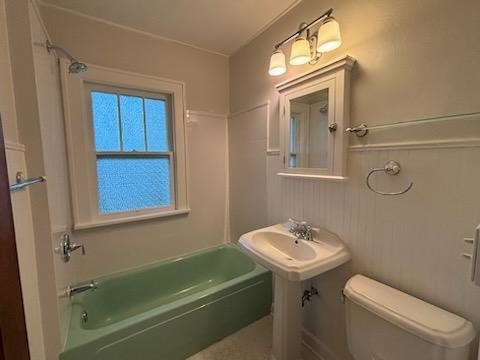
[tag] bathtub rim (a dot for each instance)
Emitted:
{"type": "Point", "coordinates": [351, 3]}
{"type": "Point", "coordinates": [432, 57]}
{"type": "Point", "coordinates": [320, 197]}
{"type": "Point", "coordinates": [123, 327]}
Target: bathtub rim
{"type": "Point", "coordinates": [173, 258]}
{"type": "Point", "coordinates": [78, 335]}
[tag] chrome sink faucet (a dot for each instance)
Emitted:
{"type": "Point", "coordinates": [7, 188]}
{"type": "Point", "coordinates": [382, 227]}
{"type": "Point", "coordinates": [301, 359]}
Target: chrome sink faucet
{"type": "Point", "coordinates": [77, 289]}
{"type": "Point", "coordinates": [301, 229]}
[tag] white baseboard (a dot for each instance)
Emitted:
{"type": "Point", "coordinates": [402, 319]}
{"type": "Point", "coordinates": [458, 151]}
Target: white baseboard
{"type": "Point", "coordinates": [309, 354]}
{"type": "Point", "coordinates": [314, 349]}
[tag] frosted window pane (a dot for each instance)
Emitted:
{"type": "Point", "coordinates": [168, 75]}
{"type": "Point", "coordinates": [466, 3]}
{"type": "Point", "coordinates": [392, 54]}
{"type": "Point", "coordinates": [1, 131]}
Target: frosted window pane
{"type": "Point", "coordinates": [133, 129]}
{"type": "Point", "coordinates": [156, 119]}
{"type": "Point", "coordinates": [132, 183]}
{"type": "Point", "coordinates": [105, 121]}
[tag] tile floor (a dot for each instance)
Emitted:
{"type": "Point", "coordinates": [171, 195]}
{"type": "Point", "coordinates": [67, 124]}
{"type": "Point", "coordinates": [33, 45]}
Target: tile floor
{"type": "Point", "coordinates": [253, 342]}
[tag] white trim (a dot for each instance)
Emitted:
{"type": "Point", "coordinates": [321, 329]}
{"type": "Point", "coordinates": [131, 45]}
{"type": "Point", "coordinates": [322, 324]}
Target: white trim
{"type": "Point", "coordinates": [418, 145]}
{"type": "Point", "coordinates": [248, 109]}
{"type": "Point", "coordinates": [37, 12]}
{"type": "Point", "coordinates": [15, 146]}
{"type": "Point", "coordinates": [267, 123]}
{"type": "Point", "coordinates": [269, 151]}
{"type": "Point", "coordinates": [127, 28]}
{"type": "Point", "coordinates": [58, 230]}
{"type": "Point", "coordinates": [124, 27]}
{"type": "Point", "coordinates": [273, 152]}
{"type": "Point", "coordinates": [128, 73]}
{"type": "Point", "coordinates": [206, 114]}
{"type": "Point", "coordinates": [344, 63]}
{"type": "Point", "coordinates": [313, 176]}
{"type": "Point", "coordinates": [224, 117]}
{"type": "Point", "coordinates": [317, 350]}
{"type": "Point", "coordinates": [227, 237]}
{"type": "Point", "coordinates": [309, 353]}
{"type": "Point", "coordinates": [100, 223]}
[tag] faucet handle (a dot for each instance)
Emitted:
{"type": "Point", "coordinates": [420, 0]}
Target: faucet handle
{"type": "Point", "coordinates": [294, 222]}
{"type": "Point", "coordinates": [76, 246]}
{"type": "Point", "coordinates": [65, 248]}
{"type": "Point", "coordinates": [297, 223]}
{"type": "Point", "coordinates": [293, 225]}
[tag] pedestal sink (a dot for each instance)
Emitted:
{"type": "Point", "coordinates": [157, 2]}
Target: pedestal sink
{"type": "Point", "coordinates": [292, 260]}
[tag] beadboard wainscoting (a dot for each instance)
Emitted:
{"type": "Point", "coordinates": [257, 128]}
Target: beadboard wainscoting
{"type": "Point", "coordinates": [413, 242]}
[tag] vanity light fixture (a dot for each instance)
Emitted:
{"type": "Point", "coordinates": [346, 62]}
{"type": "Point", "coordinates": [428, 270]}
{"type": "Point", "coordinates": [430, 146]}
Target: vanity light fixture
{"type": "Point", "coordinates": [307, 48]}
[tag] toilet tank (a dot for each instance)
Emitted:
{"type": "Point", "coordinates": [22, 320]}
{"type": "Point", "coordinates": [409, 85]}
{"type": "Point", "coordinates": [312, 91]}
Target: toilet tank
{"type": "Point", "coordinates": [386, 324]}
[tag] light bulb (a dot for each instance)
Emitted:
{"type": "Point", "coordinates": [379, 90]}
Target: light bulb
{"type": "Point", "coordinates": [277, 63]}
{"type": "Point", "coordinates": [300, 53]}
{"type": "Point", "coordinates": [329, 37]}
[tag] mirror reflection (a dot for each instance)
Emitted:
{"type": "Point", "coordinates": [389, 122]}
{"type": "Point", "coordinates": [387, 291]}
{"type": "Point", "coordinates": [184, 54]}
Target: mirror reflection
{"type": "Point", "coordinates": [308, 142]}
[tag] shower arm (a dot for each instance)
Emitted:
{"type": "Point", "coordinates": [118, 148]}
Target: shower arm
{"type": "Point", "coordinates": [51, 47]}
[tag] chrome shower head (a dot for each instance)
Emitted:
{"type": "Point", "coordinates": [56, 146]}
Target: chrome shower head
{"type": "Point", "coordinates": [75, 67]}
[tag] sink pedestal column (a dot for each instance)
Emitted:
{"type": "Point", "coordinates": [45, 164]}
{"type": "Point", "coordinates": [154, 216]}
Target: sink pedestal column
{"type": "Point", "coordinates": [287, 319]}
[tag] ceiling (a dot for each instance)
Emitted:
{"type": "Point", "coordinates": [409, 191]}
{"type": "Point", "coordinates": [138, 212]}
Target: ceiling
{"type": "Point", "coordinates": [220, 26]}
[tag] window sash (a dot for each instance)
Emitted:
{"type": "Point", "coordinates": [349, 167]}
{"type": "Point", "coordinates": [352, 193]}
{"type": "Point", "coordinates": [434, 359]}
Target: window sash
{"type": "Point", "coordinates": [136, 153]}
{"type": "Point", "coordinates": [143, 94]}
{"type": "Point", "coordinates": [139, 154]}
{"type": "Point", "coordinates": [118, 92]}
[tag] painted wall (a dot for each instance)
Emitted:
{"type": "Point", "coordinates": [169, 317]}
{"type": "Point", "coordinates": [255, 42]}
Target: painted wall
{"type": "Point", "coordinates": [32, 222]}
{"type": "Point", "coordinates": [114, 248]}
{"type": "Point", "coordinates": [40, 128]}
{"type": "Point", "coordinates": [118, 247]}
{"type": "Point", "coordinates": [15, 153]}
{"type": "Point", "coordinates": [53, 133]}
{"type": "Point", "coordinates": [7, 102]}
{"type": "Point", "coordinates": [247, 139]}
{"type": "Point", "coordinates": [205, 74]}
{"type": "Point", "coordinates": [410, 64]}
{"type": "Point", "coordinates": [414, 60]}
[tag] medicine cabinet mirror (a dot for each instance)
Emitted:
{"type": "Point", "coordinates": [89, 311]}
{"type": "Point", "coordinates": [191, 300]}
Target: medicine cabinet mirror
{"type": "Point", "coordinates": [314, 113]}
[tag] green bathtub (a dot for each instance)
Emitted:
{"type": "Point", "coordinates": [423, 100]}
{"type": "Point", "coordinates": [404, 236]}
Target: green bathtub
{"type": "Point", "coordinates": [168, 310]}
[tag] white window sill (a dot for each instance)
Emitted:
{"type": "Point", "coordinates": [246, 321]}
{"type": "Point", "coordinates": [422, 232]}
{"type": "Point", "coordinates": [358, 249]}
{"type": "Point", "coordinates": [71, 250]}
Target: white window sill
{"type": "Point", "coordinates": [127, 219]}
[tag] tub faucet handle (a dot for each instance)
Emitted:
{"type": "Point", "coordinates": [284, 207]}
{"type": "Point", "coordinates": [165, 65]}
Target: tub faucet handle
{"type": "Point", "coordinates": [66, 247]}
{"type": "Point", "coordinates": [75, 246]}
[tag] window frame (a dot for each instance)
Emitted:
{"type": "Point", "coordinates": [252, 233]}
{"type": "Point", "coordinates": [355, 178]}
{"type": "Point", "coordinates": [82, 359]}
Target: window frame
{"type": "Point", "coordinates": [82, 154]}
{"type": "Point", "coordinates": [91, 87]}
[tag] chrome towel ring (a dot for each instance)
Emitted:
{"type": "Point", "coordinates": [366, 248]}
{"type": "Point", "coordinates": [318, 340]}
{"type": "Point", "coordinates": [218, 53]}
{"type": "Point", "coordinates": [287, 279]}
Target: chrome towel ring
{"type": "Point", "coordinates": [390, 168]}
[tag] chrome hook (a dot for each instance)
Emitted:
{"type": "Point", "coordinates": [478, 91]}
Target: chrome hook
{"type": "Point", "coordinates": [391, 168]}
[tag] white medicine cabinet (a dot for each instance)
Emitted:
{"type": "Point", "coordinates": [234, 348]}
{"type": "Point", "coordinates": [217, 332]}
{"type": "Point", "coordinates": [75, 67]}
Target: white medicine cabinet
{"type": "Point", "coordinates": [314, 113]}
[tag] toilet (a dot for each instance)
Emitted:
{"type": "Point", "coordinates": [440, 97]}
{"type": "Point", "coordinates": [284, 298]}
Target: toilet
{"type": "Point", "coordinates": [386, 324]}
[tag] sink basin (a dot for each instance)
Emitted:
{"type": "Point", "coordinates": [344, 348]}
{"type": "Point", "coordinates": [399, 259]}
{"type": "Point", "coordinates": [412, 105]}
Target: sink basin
{"type": "Point", "coordinates": [278, 250]}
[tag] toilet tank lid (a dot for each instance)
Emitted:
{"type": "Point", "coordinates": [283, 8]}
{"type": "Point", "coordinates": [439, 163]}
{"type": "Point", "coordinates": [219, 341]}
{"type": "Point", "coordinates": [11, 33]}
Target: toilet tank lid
{"type": "Point", "coordinates": [418, 317]}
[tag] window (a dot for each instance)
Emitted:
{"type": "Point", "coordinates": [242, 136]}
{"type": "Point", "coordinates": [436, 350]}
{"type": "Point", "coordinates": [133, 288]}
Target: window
{"type": "Point", "coordinates": [126, 142]}
{"type": "Point", "coordinates": [132, 137]}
